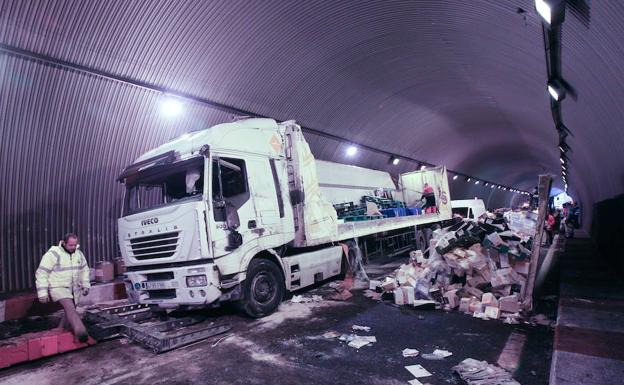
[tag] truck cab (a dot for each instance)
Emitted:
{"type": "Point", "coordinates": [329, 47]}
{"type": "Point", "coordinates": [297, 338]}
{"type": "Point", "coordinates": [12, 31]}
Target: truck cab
{"type": "Point", "coordinates": [197, 209]}
{"type": "Point", "coordinates": [471, 209]}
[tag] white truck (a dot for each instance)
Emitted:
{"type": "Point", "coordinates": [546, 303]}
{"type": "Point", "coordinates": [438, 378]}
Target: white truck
{"type": "Point", "coordinates": [243, 212]}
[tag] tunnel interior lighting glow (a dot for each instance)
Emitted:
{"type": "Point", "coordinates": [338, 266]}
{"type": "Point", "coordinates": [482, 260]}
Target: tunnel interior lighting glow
{"type": "Point", "coordinates": [556, 90]}
{"type": "Point", "coordinates": [468, 179]}
{"type": "Point", "coordinates": [543, 8]}
{"type": "Point", "coordinates": [394, 160]}
{"type": "Point", "coordinates": [486, 184]}
{"type": "Point", "coordinates": [351, 150]}
{"type": "Point", "coordinates": [423, 167]}
{"type": "Point", "coordinates": [552, 11]}
{"type": "Point", "coordinates": [171, 107]}
{"type": "Point", "coordinates": [477, 182]}
{"type": "Point", "coordinates": [562, 160]}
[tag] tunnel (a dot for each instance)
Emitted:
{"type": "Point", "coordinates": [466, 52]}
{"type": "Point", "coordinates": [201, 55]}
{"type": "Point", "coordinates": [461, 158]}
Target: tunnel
{"type": "Point", "coordinates": [491, 90]}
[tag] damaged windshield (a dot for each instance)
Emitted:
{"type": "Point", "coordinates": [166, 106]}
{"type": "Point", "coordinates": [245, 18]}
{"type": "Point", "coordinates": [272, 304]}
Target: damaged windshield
{"type": "Point", "coordinates": [164, 184]}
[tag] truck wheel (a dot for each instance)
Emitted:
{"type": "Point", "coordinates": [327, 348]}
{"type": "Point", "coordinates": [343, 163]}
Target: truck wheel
{"type": "Point", "coordinates": [263, 289]}
{"type": "Point", "coordinates": [428, 234]}
{"type": "Point", "coordinates": [421, 241]}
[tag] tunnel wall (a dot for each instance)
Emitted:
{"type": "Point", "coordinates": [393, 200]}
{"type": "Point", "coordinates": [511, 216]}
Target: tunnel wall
{"type": "Point", "coordinates": [607, 230]}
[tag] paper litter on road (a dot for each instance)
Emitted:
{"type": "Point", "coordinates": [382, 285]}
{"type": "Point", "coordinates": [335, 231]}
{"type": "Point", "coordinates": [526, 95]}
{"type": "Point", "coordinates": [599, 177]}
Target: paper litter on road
{"type": "Point", "coordinates": [303, 299]}
{"type": "Point", "coordinates": [363, 328]}
{"type": "Point", "coordinates": [360, 341]}
{"type": "Point", "coordinates": [418, 371]}
{"type": "Point", "coordinates": [407, 352]}
{"type": "Point", "coordinates": [355, 341]}
{"type": "Point", "coordinates": [331, 334]}
{"type": "Point", "coordinates": [437, 354]}
{"type": "Point", "coordinates": [475, 372]}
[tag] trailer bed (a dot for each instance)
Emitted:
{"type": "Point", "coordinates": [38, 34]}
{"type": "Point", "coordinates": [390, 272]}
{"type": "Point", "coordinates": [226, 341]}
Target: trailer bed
{"type": "Point", "coordinates": [350, 230]}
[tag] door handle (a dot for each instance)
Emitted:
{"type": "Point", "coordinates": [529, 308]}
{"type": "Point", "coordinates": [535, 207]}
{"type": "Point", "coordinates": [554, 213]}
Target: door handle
{"type": "Point", "coordinates": [252, 224]}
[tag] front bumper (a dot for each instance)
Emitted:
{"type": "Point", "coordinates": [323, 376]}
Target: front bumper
{"type": "Point", "coordinates": [167, 288]}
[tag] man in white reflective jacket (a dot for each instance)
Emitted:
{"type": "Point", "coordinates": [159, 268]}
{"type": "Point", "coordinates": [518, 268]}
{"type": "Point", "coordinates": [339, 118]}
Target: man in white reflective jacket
{"type": "Point", "coordinates": [63, 275]}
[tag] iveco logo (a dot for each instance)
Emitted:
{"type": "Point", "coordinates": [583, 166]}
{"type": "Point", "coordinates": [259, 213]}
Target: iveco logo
{"type": "Point", "coordinates": [151, 221]}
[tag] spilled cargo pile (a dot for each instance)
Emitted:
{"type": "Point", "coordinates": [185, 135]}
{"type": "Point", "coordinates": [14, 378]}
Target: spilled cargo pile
{"type": "Point", "coordinates": [479, 268]}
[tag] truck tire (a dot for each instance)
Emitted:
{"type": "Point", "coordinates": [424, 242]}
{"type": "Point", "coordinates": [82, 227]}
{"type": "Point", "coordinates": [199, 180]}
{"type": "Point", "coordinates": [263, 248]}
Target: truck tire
{"type": "Point", "coordinates": [428, 234]}
{"type": "Point", "coordinates": [263, 289]}
{"type": "Point", "coordinates": [421, 241]}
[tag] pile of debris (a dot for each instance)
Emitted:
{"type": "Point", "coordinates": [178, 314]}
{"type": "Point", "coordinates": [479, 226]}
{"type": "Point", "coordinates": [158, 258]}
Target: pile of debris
{"type": "Point", "coordinates": [475, 372]}
{"type": "Point", "coordinates": [479, 268]}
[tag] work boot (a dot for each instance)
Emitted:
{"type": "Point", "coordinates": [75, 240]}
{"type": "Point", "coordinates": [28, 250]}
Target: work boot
{"type": "Point", "coordinates": [83, 337]}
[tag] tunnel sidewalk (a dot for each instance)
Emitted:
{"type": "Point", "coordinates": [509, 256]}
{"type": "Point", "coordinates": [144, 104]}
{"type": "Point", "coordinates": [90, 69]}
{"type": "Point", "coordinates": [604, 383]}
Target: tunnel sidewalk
{"type": "Point", "coordinates": [589, 336]}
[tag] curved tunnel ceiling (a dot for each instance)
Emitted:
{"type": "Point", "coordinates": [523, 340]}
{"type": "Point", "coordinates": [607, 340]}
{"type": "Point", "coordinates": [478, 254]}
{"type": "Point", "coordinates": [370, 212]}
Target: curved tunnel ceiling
{"type": "Point", "coordinates": [457, 83]}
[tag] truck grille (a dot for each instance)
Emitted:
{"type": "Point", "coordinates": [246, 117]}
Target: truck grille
{"type": "Point", "coordinates": [155, 246]}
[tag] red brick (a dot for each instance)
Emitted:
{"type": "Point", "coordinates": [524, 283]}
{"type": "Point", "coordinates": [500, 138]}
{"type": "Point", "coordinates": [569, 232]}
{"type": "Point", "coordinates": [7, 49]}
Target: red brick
{"type": "Point", "coordinates": [67, 342]}
{"type": "Point", "coordinates": [34, 349]}
{"type": "Point", "coordinates": [49, 345]}
{"type": "Point", "coordinates": [14, 352]}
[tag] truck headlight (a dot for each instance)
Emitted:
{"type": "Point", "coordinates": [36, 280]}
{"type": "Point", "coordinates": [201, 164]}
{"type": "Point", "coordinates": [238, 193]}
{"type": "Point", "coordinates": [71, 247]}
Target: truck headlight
{"type": "Point", "coordinates": [196, 280]}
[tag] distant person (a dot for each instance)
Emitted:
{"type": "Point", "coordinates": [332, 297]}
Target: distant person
{"type": "Point", "coordinates": [557, 215]}
{"type": "Point", "coordinates": [550, 227]}
{"type": "Point", "coordinates": [429, 197]}
{"type": "Point", "coordinates": [63, 274]}
{"type": "Point", "coordinates": [534, 199]}
{"type": "Point", "coordinates": [571, 221]}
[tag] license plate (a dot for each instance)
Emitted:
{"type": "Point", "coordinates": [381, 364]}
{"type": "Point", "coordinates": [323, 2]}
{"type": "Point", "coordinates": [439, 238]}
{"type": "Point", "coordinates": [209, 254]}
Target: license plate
{"type": "Point", "coordinates": [155, 285]}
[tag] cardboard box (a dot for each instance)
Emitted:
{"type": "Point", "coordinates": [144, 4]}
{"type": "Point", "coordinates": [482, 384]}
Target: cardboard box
{"type": "Point", "coordinates": [399, 297]}
{"type": "Point", "coordinates": [104, 271]}
{"type": "Point", "coordinates": [488, 299]}
{"type": "Point", "coordinates": [409, 296]}
{"type": "Point", "coordinates": [492, 312]}
{"type": "Point", "coordinates": [373, 284]}
{"type": "Point", "coordinates": [509, 304]}
{"type": "Point", "coordinates": [464, 305]}
{"type": "Point", "coordinates": [451, 298]}
{"type": "Point", "coordinates": [476, 306]}
{"type": "Point", "coordinates": [521, 267]}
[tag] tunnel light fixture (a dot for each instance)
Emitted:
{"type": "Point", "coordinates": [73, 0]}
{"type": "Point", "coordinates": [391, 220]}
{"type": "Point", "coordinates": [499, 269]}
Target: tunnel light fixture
{"type": "Point", "coordinates": [394, 160]}
{"type": "Point", "coordinates": [455, 177]}
{"type": "Point", "coordinates": [552, 11]}
{"type": "Point", "coordinates": [563, 146]}
{"type": "Point", "coordinates": [468, 179]}
{"type": "Point", "coordinates": [556, 90]}
{"type": "Point", "coordinates": [477, 182]}
{"type": "Point", "coordinates": [422, 167]}
{"type": "Point", "coordinates": [562, 160]}
{"type": "Point", "coordinates": [486, 184]}
{"type": "Point", "coordinates": [171, 107]}
{"type": "Point", "coordinates": [351, 150]}
{"type": "Point", "coordinates": [492, 186]}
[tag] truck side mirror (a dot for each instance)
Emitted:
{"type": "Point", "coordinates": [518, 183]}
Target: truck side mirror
{"type": "Point", "coordinates": [235, 239]}
{"type": "Point", "coordinates": [232, 218]}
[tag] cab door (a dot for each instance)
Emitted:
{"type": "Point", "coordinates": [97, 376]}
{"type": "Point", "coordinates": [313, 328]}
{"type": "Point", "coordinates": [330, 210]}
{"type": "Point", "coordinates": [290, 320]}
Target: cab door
{"type": "Point", "coordinates": [264, 187]}
{"type": "Point", "coordinates": [230, 193]}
